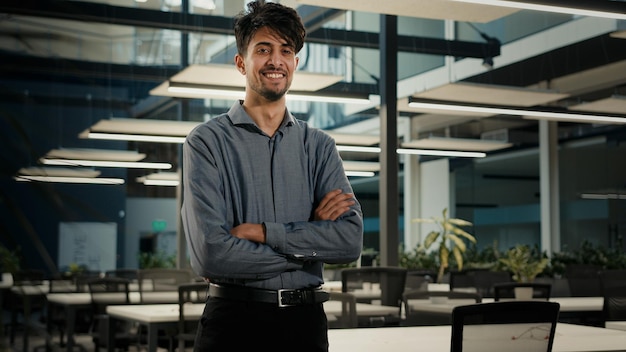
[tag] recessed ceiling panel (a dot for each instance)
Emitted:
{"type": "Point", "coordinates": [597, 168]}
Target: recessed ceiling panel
{"type": "Point", "coordinates": [58, 172]}
{"type": "Point", "coordinates": [355, 139]}
{"type": "Point", "coordinates": [95, 154]}
{"type": "Point", "coordinates": [462, 144]}
{"type": "Point", "coordinates": [143, 127]}
{"type": "Point", "coordinates": [228, 76]}
{"type": "Point", "coordinates": [491, 94]}
{"type": "Point", "coordinates": [434, 9]}
{"type": "Point", "coordinates": [612, 105]}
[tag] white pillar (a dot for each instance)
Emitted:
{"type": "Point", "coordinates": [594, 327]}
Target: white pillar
{"type": "Point", "coordinates": [549, 186]}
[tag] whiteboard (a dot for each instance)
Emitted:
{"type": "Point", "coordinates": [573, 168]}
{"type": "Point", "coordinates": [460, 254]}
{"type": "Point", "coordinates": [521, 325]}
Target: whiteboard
{"type": "Point", "coordinates": [92, 244]}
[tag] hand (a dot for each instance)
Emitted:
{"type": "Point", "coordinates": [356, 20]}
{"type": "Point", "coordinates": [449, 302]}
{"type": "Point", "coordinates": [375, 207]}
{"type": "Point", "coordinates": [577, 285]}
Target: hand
{"type": "Point", "coordinates": [251, 232]}
{"type": "Point", "coordinates": [333, 205]}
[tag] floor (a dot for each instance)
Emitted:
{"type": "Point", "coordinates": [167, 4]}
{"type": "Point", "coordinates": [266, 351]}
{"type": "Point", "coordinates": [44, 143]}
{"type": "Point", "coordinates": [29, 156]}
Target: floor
{"type": "Point", "coordinates": [36, 343]}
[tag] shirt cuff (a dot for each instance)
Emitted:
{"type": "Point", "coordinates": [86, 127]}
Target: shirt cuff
{"type": "Point", "coordinates": [275, 236]}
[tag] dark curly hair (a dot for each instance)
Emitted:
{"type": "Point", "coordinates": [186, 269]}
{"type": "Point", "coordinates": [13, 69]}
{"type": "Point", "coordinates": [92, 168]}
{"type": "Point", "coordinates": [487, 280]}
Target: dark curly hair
{"type": "Point", "coordinates": [280, 19]}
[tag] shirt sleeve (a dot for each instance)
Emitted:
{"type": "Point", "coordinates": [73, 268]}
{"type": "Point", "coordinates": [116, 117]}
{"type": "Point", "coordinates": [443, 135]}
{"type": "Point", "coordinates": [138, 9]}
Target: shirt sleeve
{"type": "Point", "coordinates": [339, 241]}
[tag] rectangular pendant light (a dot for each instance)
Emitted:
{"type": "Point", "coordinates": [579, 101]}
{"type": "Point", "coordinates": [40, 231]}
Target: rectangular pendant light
{"type": "Point", "coordinates": [527, 113]}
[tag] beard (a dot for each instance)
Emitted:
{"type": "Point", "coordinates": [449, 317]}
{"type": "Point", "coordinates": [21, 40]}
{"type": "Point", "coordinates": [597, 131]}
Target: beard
{"type": "Point", "coordinates": [268, 92]}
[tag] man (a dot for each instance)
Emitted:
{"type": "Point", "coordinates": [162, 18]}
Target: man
{"type": "Point", "coordinates": [266, 202]}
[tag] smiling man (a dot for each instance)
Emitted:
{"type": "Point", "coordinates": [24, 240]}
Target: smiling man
{"type": "Point", "coordinates": [266, 202]}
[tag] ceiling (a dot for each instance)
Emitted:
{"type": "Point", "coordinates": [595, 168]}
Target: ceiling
{"type": "Point", "coordinates": [40, 43]}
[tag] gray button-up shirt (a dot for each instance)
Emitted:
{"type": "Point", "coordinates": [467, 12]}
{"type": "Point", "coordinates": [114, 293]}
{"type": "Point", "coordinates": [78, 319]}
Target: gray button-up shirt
{"type": "Point", "coordinates": [234, 173]}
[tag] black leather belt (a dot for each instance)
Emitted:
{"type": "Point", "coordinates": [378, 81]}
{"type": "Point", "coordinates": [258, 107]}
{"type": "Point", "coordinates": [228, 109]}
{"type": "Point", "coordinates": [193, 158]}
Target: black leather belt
{"type": "Point", "coordinates": [283, 298]}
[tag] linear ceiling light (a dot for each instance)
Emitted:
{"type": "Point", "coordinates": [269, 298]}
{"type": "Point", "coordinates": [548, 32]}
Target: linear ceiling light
{"type": "Point", "coordinates": [193, 90]}
{"type": "Point", "coordinates": [528, 113]}
{"type": "Point", "coordinates": [358, 149]}
{"type": "Point", "coordinates": [104, 163]}
{"type": "Point", "coordinates": [160, 179]}
{"type": "Point", "coordinates": [432, 152]}
{"type": "Point", "coordinates": [360, 173]}
{"type": "Point", "coordinates": [552, 8]}
{"type": "Point", "coordinates": [140, 130]}
{"type": "Point", "coordinates": [61, 179]}
{"type": "Point", "coordinates": [64, 175]}
{"type": "Point", "coordinates": [135, 137]}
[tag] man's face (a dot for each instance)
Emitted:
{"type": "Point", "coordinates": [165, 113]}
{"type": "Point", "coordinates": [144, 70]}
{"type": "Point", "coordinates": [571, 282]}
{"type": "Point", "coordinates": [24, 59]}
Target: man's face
{"type": "Point", "coordinates": [268, 64]}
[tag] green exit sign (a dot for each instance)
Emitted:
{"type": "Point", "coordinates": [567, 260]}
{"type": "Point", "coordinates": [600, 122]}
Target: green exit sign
{"type": "Point", "coordinates": [159, 225]}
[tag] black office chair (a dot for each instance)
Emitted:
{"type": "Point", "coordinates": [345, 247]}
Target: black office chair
{"type": "Point", "coordinates": [614, 304]}
{"type": "Point", "coordinates": [104, 292]}
{"type": "Point", "coordinates": [391, 281]}
{"type": "Point", "coordinates": [189, 293]}
{"type": "Point", "coordinates": [506, 290]}
{"type": "Point", "coordinates": [583, 280]}
{"type": "Point", "coordinates": [527, 326]}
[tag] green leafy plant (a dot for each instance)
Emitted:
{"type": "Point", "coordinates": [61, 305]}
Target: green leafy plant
{"type": "Point", "coordinates": [9, 260]}
{"type": "Point", "coordinates": [149, 260]}
{"type": "Point", "coordinates": [450, 238]}
{"type": "Point", "coordinates": [524, 263]}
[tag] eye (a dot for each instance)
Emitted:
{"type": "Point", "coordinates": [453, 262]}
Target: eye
{"type": "Point", "coordinates": [263, 50]}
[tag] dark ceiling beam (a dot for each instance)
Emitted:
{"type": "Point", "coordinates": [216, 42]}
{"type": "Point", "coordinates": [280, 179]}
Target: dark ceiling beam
{"type": "Point", "coordinates": [409, 44]}
{"type": "Point", "coordinates": [118, 15]}
{"type": "Point", "coordinates": [19, 66]}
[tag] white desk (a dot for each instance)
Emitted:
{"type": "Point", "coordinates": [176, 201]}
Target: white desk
{"type": "Point", "coordinates": [71, 303]}
{"type": "Point", "coordinates": [569, 338]}
{"type": "Point", "coordinates": [161, 316]}
{"type": "Point", "coordinates": [568, 304]}
{"type": "Point", "coordinates": [616, 325]}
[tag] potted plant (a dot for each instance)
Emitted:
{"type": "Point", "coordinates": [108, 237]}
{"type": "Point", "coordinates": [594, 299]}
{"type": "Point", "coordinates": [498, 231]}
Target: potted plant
{"type": "Point", "coordinates": [525, 266]}
{"type": "Point", "coordinates": [450, 239]}
{"type": "Point", "coordinates": [9, 263]}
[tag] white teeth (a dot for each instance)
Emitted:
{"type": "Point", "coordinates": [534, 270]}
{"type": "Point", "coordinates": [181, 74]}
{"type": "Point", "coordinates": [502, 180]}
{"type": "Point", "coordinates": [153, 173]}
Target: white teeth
{"type": "Point", "coordinates": [274, 75]}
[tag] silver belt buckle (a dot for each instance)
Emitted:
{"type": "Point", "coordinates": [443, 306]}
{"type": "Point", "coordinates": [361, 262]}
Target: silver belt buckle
{"type": "Point", "coordinates": [289, 301]}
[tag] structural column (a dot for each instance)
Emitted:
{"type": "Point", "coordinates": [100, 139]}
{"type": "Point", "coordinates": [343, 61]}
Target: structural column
{"type": "Point", "coordinates": [549, 186]}
{"type": "Point", "coordinates": [389, 199]}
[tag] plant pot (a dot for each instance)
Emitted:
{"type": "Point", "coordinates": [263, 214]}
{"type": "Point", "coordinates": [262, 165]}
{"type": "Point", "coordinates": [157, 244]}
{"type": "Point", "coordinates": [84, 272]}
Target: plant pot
{"type": "Point", "coordinates": [438, 287]}
{"type": "Point", "coordinates": [523, 293]}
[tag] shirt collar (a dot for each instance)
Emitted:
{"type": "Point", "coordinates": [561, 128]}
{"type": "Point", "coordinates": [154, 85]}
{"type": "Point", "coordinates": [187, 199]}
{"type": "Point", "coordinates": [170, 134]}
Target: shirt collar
{"type": "Point", "coordinates": [239, 116]}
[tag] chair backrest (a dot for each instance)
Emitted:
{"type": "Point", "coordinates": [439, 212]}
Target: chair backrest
{"type": "Point", "coordinates": [28, 277]}
{"type": "Point", "coordinates": [162, 279]}
{"type": "Point", "coordinates": [506, 290]}
{"type": "Point", "coordinates": [130, 274]}
{"type": "Point", "coordinates": [614, 306]}
{"type": "Point", "coordinates": [612, 278]}
{"type": "Point", "coordinates": [58, 285]}
{"type": "Point", "coordinates": [419, 279]}
{"type": "Point", "coordinates": [108, 291]}
{"type": "Point", "coordinates": [504, 326]}
{"type": "Point", "coordinates": [484, 280]}
{"type": "Point", "coordinates": [390, 279]}
{"type": "Point", "coordinates": [583, 280]}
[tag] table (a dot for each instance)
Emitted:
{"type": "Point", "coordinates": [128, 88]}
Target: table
{"type": "Point", "coordinates": [617, 325]}
{"type": "Point", "coordinates": [71, 303]}
{"type": "Point", "coordinates": [568, 338]}
{"type": "Point", "coordinates": [163, 316]}
{"type": "Point", "coordinates": [577, 305]}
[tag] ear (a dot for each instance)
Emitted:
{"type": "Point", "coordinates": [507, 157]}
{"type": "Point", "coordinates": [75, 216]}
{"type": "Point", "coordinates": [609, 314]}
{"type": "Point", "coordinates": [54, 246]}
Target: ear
{"type": "Point", "coordinates": [297, 61]}
{"type": "Point", "coordinates": [241, 66]}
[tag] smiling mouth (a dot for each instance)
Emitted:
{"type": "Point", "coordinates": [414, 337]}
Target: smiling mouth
{"type": "Point", "coordinates": [274, 75]}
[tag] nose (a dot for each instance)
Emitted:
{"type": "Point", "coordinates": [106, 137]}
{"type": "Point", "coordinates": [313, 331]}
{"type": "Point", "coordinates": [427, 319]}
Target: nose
{"type": "Point", "coordinates": [275, 58]}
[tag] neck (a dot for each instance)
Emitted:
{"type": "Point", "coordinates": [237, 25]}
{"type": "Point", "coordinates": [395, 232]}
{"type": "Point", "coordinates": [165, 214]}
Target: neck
{"type": "Point", "coordinates": [268, 115]}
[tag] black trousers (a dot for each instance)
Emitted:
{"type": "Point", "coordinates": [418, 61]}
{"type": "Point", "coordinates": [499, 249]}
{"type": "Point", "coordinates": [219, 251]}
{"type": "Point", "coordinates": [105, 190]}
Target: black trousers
{"type": "Point", "coordinates": [231, 325]}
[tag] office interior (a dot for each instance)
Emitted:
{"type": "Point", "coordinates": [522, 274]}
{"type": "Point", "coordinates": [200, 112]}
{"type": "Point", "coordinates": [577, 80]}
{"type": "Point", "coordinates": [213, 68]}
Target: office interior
{"type": "Point", "coordinates": [551, 181]}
